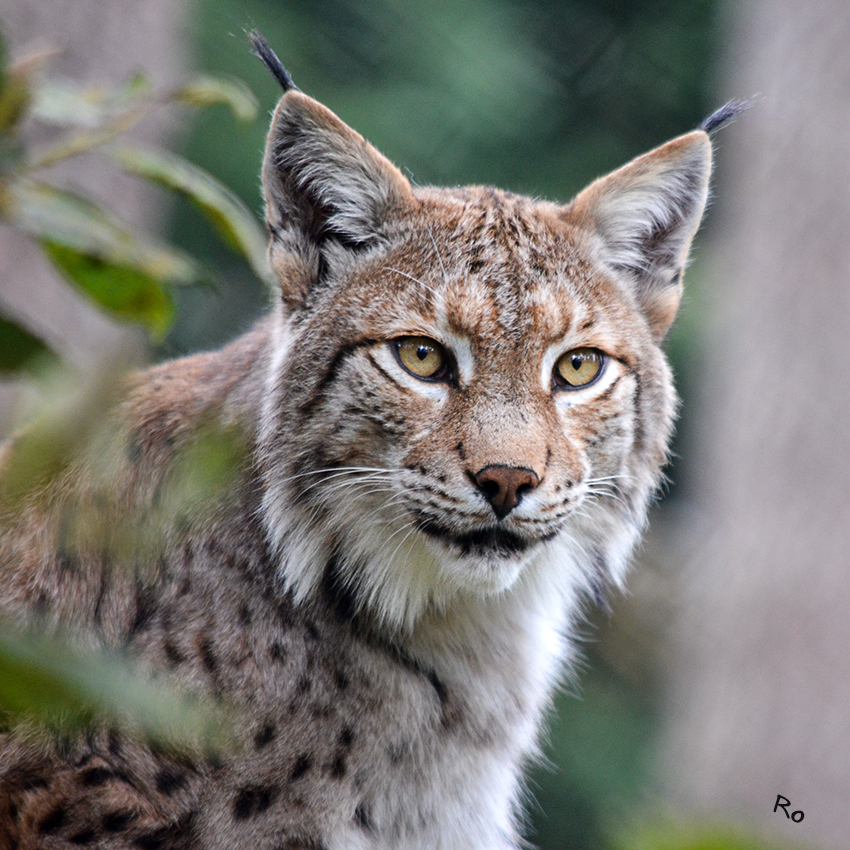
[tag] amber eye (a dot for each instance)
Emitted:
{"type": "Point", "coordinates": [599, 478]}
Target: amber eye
{"type": "Point", "coordinates": [579, 368]}
{"type": "Point", "coordinates": [425, 358]}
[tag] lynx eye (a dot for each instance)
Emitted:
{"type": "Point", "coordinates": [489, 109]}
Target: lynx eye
{"type": "Point", "coordinates": [579, 368]}
{"type": "Point", "coordinates": [423, 357]}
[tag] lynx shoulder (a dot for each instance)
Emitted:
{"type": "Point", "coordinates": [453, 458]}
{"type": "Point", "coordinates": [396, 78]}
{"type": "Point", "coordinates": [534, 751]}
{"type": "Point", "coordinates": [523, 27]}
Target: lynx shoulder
{"type": "Point", "coordinates": [450, 426]}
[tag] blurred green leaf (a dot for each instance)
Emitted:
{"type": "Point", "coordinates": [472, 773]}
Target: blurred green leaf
{"type": "Point", "coordinates": [205, 469]}
{"type": "Point", "coordinates": [694, 835]}
{"type": "Point", "coordinates": [207, 90]}
{"type": "Point", "coordinates": [54, 684]}
{"type": "Point", "coordinates": [63, 103]}
{"type": "Point", "coordinates": [71, 408]}
{"type": "Point", "coordinates": [124, 291]}
{"type": "Point", "coordinates": [231, 218]}
{"type": "Point", "coordinates": [19, 349]}
{"type": "Point", "coordinates": [15, 98]}
{"type": "Point", "coordinates": [68, 104]}
{"type": "Point", "coordinates": [64, 218]}
{"type": "Point", "coordinates": [123, 272]}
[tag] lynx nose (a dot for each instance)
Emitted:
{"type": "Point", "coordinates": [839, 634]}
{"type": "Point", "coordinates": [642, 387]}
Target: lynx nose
{"type": "Point", "coordinates": [504, 486]}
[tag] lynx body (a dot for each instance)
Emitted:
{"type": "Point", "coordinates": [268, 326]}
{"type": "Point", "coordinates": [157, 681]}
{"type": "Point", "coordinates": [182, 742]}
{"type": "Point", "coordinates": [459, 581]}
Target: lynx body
{"type": "Point", "coordinates": [451, 424]}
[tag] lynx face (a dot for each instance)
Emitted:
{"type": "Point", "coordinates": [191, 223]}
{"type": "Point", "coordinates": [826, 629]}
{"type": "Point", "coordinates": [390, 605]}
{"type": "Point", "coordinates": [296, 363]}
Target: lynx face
{"type": "Point", "coordinates": [468, 384]}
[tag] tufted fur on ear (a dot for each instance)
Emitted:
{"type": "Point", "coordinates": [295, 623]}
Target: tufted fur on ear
{"type": "Point", "coordinates": [327, 190]}
{"type": "Point", "coordinates": [643, 217]}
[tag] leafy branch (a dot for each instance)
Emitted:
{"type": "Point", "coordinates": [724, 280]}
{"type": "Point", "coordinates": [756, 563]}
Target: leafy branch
{"type": "Point", "coordinates": [127, 273]}
{"type": "Point", "coordinates": [50, 681]}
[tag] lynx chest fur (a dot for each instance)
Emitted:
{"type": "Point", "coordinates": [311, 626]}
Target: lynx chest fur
{"type": "Point", "coordinates": [451, 424]}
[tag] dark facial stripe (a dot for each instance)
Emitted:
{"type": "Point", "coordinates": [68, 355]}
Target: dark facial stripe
{"type": "Point", "coordinates": [384, 372]}
{"type": "Point", "coordinates": [330, 375]}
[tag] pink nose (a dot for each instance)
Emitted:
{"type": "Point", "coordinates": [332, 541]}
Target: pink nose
{"type": "Point", "coordinates": [504, 486]}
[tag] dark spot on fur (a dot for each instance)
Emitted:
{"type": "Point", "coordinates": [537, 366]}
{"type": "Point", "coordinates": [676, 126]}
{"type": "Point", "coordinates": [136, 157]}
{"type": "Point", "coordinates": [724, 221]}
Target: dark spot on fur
{"type": "Point", "coordinates": [337, 592]}
{"type": "Point", "coordinates": [322, 712]}
{"type": "Point", "coordinates": [97, 776]}
{"type": "Point", "coordinates": [284, 613]}
{"type": "Point", "coordinates": [87, 836]}
{"type": "Point", "coordinates": [28, 777]}
{"type": "Point", "coordinates": [277, 652]}
{"type": "Point", "coordinates": [188, 555]}
{"type": "Point", "coordinates": [172, 653]}
{"type": "Point", "coordinates": [340, 679]}
{"type": "Point", "coordinates": [214, 759]}
{"type": "Point", "coordinates": [244, 615]}
{"type": "Point", "coordinates": [117, 821]}
{"type": "Point", "coordinates": [337, 768]}
{"type": "Point", "coordinates": [68, 563]}
{"type": "Point", "coordinates": [53, 822]}
{"type": "Point", "coordinates": [363, 818]}
{"type": "Point", "coordinates": [439, 687]}
{"type": "Point", "coordinates": [265, 736]}
{"type": "Point", "coordinates": [300, 768]}
{"type": "Point", "coordinates": [460, 451]}
{"type": "Point", "coordinates": [114, 743]}
{"type": "Point", "coordinates": [303, 686]}
{"type": "Point", "coordinates": [346, 738]}
{"type": "Point", "coordinates": [152, 840]}
{"type": "Point", "coordinates": [208, 658]}
{"type": "Point", "coordinates": [169, 780]}
{"type": "Point", "coordinates": [252, 801]}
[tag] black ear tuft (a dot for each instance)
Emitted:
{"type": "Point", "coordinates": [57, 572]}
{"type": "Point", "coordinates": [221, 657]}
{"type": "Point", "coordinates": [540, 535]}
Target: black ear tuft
{"type": "Point", "coordinates": [721, 117]}
{"type": "Point", "coordinates": [260, 48]}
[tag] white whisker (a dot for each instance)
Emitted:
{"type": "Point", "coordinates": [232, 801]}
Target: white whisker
{"type": "Point", "coordinates": [437, 253]}
{"type": "Point", "coordinates": [415, 280]}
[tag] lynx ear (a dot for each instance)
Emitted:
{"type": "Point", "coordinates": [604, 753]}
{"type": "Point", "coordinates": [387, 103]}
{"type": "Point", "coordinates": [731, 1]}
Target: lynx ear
{"type": "Point", "coordinates": [326, 189]}
{"type": "Point", "coordinates": [644, 216]}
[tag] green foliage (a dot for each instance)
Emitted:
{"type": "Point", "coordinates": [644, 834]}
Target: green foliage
{"type": "Point", "coordinates": [681, 835]}
{"type": "Point", "coordinates": [54, 682]}
{"type": "Point", "coordinates": [21, 351]}
{"type": "Point", "coordinates": [232, 220]}
{"type": "Point", "coordinates": [51, 683]}
{"type": "Point", "coordinates": [128, 274]}
{"type": "Point", "coordinates": [600, 749]}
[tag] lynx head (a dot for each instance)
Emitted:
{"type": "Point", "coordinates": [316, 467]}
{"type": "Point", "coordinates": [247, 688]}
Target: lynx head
{"type": "Point", "coordinates": [467, 390]}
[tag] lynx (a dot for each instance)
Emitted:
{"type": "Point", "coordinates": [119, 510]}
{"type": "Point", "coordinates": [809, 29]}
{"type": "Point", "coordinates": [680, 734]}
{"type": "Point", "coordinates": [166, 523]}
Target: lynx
{"type": "Point", "coordinates": [452, 422]}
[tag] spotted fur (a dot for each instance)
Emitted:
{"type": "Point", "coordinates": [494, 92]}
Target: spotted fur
{"type": "Point", "coordinates": [386, 583]}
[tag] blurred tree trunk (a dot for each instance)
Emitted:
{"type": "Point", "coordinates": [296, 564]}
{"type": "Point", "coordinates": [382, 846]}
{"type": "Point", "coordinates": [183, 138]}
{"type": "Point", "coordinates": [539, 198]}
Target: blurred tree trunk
{"type": "Point", "coordinates": [760, 700]}
{"type": "Point", "coordinates": [97, 42]}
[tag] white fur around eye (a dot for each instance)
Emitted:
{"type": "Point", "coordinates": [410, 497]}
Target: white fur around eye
{"type": "Point", "coordinates": [461, 349]}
